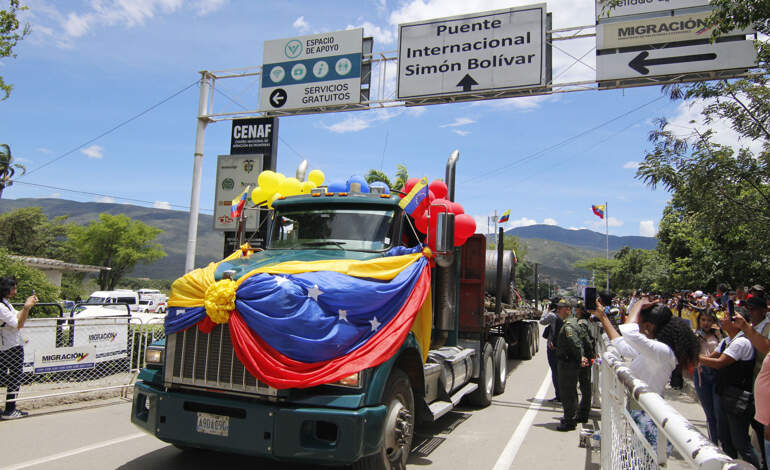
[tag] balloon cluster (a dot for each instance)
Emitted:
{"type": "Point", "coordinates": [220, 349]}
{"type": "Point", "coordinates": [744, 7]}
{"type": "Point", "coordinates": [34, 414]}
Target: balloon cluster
{"type": "Point", "coordinates": [426, 214]}
{"type": "Point", "coordinates": [274, 185]}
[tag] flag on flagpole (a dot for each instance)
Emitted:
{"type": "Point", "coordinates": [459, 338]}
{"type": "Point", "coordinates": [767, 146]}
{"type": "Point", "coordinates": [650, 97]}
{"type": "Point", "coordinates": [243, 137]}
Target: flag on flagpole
{"type": "Point", "coordinates": [236, 206]}
{"type": "Point", "coordinates": [504, 217]}
{"type": "Point", "coordinates": [411, 201]}
{"type": "Point", "coordinates": [599, 210]}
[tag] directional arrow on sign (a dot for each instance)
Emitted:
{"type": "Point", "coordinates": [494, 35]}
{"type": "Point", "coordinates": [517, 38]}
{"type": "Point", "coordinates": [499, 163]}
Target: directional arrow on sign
{"type": "Point", "coordinates": [467, 82]}
{"type": "Point", "coordinates": [641, 62]}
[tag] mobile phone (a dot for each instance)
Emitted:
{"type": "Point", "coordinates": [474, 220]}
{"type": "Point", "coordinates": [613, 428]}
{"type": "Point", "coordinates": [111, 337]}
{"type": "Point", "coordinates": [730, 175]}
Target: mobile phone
{"type": "Point", "coordinates": [589, 297]}
{"type": "Point", "coordinates": [731, 308]}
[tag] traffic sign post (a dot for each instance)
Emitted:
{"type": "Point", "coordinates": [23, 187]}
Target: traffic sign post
{"type": "Point", "coordinates": [473, 54]}
{"type": "Point", "coordinates": [315, 71]}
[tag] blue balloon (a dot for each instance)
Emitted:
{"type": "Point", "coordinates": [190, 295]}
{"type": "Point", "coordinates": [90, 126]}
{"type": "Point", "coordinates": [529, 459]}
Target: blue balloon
{"type": "Point", "coordinates": [380, 184]}
{"type": "Point", "coordinates": [360, 180]}
{"type": "Point", "coordinates": [336, 187]}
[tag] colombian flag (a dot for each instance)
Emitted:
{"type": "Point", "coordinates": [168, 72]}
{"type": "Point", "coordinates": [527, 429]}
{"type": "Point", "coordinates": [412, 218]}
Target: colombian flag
{"type": "Point", "coordinates": [297, 324]}
{"type": "Point", "coordinates": [504, 217]}
{"type": "Point", "coordinates": [236, 206]}
{"type": "Point", "coordinates": [599, 210]}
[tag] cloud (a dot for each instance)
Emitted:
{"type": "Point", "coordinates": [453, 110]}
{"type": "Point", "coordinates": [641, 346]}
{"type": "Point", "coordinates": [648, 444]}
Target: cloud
{"type": "Point", "coordinates": [54, 195]}
{"type": "Point", "coordinates": [461, 132]}
{"type": "Point", "coordinates": [93, 151]}
{"type": "Point", "coordinates": [106, 199]}
{"type": "Point", "coordinates": [66, 26]}
{"type": "Point", "coordinates": [599, 225]}
{"type": "Point", "coordinates": [631, 165]}
{"type": "Point", "coordinates": [549, 221]}
{"type": "Point", "coordinates": [351, 124]}
{"type": "Point", "coordinates": [523, 222]}
{"type": "Point", "coordinates": [301, 25]}
{"type": "Point", "coordinates": [43, 150]}
{"type": "Point", "coordinates": [416, 111]}
{"type": "Point", "coordinates": [161, 205]}
{"type": "Point", "coordinates": [522, 103]}
{"type": "Point", "coordinates": [687, 119]}
{"type": "Point", "coordinates": [380, 35]}
{"type": "Point", "coordinates": [647, 228]}
{"type": "Point", "coordinates": [461, 121]}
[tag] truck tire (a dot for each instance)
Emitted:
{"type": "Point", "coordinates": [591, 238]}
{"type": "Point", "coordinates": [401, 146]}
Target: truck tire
{"type": "Point", "coordinates": [525, 342]}
{"type": "Point", "coordinates": [482, 397]}
{"type": "Point", "coordinates": [399, 426]}
{"type": "Point", "coordinates": [500, 350]}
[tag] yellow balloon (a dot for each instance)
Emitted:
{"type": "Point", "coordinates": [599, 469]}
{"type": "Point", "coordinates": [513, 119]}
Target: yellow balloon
{"type": "Point", "coordinates": [317, 177]}
{"type": "Point", "coordinates": [260, 195]}
{"type": "Point", "coordinates": [273, 199]}
{"type": "Point", "coordinates": [281, 177]}
{"type": "Point", "coordinates": [306, 186]}
{"type": "Point", "coordinates": [268, 180]}
{"type": "Point", "coordinates": [289, 187]}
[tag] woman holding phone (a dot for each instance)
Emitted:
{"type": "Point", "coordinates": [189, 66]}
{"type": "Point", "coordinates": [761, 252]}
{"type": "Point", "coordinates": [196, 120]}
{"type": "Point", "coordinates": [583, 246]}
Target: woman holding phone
{"type": "Point", "coordinates": [12, 345]}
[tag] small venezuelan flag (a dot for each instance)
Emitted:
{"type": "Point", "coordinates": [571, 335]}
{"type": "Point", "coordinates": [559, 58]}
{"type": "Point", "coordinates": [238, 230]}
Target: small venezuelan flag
{"type": "Point", "coordinates": [411, 201]}
{"type": "Point", "coordinates": [504, 217]}
{"type": "Point", "coordinates": [236, 206]}
{"type": "Point", "coordinates": [599, 210]}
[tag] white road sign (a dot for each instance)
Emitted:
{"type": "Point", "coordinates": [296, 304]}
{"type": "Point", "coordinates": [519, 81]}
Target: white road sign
{"type": "Point", "coordinates": [637, 7]}
{"type": "Point", "coordinates": [676, 60]}
{"type": "Point", "coordinates": [474, 53]}
{"type": "Point", "coordinates": [313, 71]}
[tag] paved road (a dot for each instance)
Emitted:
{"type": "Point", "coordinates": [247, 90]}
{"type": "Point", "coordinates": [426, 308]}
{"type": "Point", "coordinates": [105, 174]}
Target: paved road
{"type": "Point", "coordinates": [518, 429]}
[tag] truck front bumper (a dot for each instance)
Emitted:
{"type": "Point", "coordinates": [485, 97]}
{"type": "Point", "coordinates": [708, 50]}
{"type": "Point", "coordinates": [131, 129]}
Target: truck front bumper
{"type": "Point", "coordinates": [275, 430]}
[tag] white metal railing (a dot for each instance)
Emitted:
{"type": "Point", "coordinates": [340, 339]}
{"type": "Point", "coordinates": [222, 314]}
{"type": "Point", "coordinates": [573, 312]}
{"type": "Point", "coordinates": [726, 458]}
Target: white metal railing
{"type": "Point", "coordinates": [69, 356]}
{"type": "Point", "coordinates": [623, 445]}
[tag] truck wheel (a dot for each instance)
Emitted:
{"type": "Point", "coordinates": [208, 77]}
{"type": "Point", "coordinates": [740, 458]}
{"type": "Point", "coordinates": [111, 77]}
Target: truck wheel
{"type": "Point", "coordinates": [501, 364]}
{"type": "Point", "coordinates": [483, 395]}
{"type": "Point", "coordinates": [399, 426]}
{"type": "Point", "coordinates": [525, 342]}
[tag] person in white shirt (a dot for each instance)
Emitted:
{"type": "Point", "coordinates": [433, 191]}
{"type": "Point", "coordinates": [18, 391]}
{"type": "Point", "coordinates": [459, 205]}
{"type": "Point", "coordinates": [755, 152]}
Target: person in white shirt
{"type": "Point", "coordinates": [11, 344]}
{"type": "Point", "coordinates": [656, 342]}
{"type": "Point", "coordinates": [734, 361]}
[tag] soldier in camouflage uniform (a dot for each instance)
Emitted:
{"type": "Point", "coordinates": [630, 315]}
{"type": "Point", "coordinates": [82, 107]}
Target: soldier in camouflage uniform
{"type": "Point", "coordinates": [589, 349]}
{"type": "Point", "coordinates": [569, 350]}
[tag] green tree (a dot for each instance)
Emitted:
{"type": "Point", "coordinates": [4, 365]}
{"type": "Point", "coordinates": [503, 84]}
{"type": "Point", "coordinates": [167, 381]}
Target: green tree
{"type": "Point", "coordinates": [27, 231]}
{"type": "Point", "coordinates": [11, 32]}
{"type": "Point", "coordinates": [29, 280]}
{"type": "Point", "coordinates": [117, 242]}
{"type": "Point", "coordinates": [396, 184]}
{"type": "Point", "coordinates": [8, 167]}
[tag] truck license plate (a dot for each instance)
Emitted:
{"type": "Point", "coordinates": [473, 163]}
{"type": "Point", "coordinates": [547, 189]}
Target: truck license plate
{"type": "Point", "coordinates": [213, 424]}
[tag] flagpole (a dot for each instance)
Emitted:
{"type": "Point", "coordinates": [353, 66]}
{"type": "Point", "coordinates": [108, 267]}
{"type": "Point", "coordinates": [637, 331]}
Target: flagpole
{"type": "Point", "coordinates": [496, 220]}
{"type": "Point", "coordinates": [607, 234]}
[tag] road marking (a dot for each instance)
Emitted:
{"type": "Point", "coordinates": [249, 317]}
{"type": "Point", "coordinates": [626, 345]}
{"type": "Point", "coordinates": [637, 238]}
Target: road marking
{"type": "Point", "coordinates": [70, 453]}
{"type": "Point", "coordinates": [506, 458]}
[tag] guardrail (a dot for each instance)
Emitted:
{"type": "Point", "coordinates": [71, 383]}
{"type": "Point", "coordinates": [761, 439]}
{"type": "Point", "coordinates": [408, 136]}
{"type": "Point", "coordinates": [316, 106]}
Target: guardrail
{"type": "Point", "coordinates": [69, 356]}
{"type": "Point", "coordinates": [623, 446]}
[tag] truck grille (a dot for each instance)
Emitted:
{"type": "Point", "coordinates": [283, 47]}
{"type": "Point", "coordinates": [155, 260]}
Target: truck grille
{"type": "Point", "coordinates": [199, 360]}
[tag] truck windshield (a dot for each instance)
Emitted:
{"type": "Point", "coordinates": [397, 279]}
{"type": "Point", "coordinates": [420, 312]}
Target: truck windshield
{"type": "Point", "coordinates": [333, 229]}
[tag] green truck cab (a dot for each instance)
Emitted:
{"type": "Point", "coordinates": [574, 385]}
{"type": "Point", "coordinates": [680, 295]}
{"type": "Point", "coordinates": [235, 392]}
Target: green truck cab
{"type": "Point", "coordinates": [195, 393]}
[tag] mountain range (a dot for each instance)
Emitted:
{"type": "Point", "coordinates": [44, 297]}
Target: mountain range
{"type": "Point", "coordinates": [554, 248]}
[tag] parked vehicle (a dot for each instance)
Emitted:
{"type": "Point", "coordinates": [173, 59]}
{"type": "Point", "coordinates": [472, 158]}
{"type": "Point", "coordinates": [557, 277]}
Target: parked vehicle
{"type": "Point", "coordinates": [196, 393]}
{"type": "Point", "coordinates": [151, 301]}
{"type": "Point", "coordinates": [123, 296]}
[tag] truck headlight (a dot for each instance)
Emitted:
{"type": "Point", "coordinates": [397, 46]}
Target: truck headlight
{"type": "Point", "coordinates": [154, 355]}
{"type": "Point", "coordinates": [350, 381]}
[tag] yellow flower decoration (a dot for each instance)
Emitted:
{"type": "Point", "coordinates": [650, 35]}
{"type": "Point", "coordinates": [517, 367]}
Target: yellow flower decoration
{"type": "Point", "coordinates": [220, 300]}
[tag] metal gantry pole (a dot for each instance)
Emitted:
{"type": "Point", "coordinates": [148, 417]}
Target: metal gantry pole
{"type": "Point", "coordinates": [607, 235]}
{"type": "Point", "coordinates": [195, 194]}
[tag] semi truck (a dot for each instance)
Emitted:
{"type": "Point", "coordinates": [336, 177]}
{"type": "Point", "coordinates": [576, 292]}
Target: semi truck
{"type": "Point", "coordinates": [195, 393]}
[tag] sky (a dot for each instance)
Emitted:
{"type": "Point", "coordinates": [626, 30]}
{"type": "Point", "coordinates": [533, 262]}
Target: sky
{"type": "Point", "coordinates": [105, 101]}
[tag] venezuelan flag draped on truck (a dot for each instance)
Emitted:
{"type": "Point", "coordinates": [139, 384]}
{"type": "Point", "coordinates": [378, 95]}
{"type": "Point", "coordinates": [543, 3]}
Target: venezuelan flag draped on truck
{"type": "Point", "coordinates": [296, 325]}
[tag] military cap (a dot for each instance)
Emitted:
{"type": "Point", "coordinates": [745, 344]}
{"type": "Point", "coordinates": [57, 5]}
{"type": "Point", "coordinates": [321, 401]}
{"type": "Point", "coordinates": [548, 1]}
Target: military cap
{"type": "Point", "coordinates": [563, 303]}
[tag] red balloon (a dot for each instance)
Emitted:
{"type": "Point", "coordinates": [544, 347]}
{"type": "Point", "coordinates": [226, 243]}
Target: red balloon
{"type": "Point", "coordinates": [439, 205]}
{"type": "Point", "coordinates": [410, 184]}
{"type": "Point", "coordinates": [439, 188]}
{"type": "Point", "coordinates": [465, 226]}
{"type": "Point", "coordinates": [431, 195]}
{"type": "Point", "coordinates": [421, 222]}
{"type": "Point", "coordinates": [456, 208]}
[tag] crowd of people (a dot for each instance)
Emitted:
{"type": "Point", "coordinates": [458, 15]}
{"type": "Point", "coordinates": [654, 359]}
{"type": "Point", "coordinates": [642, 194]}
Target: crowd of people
{"type": "Point", "coordinates": [720, 341]}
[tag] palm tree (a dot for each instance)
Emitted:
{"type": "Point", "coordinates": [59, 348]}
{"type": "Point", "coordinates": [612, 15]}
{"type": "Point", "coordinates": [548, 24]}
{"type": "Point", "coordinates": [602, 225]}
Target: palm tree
{"type": "Point", "coordinates": [401, 176]}
{"type": "Point", "coordinates": [7, 168]}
